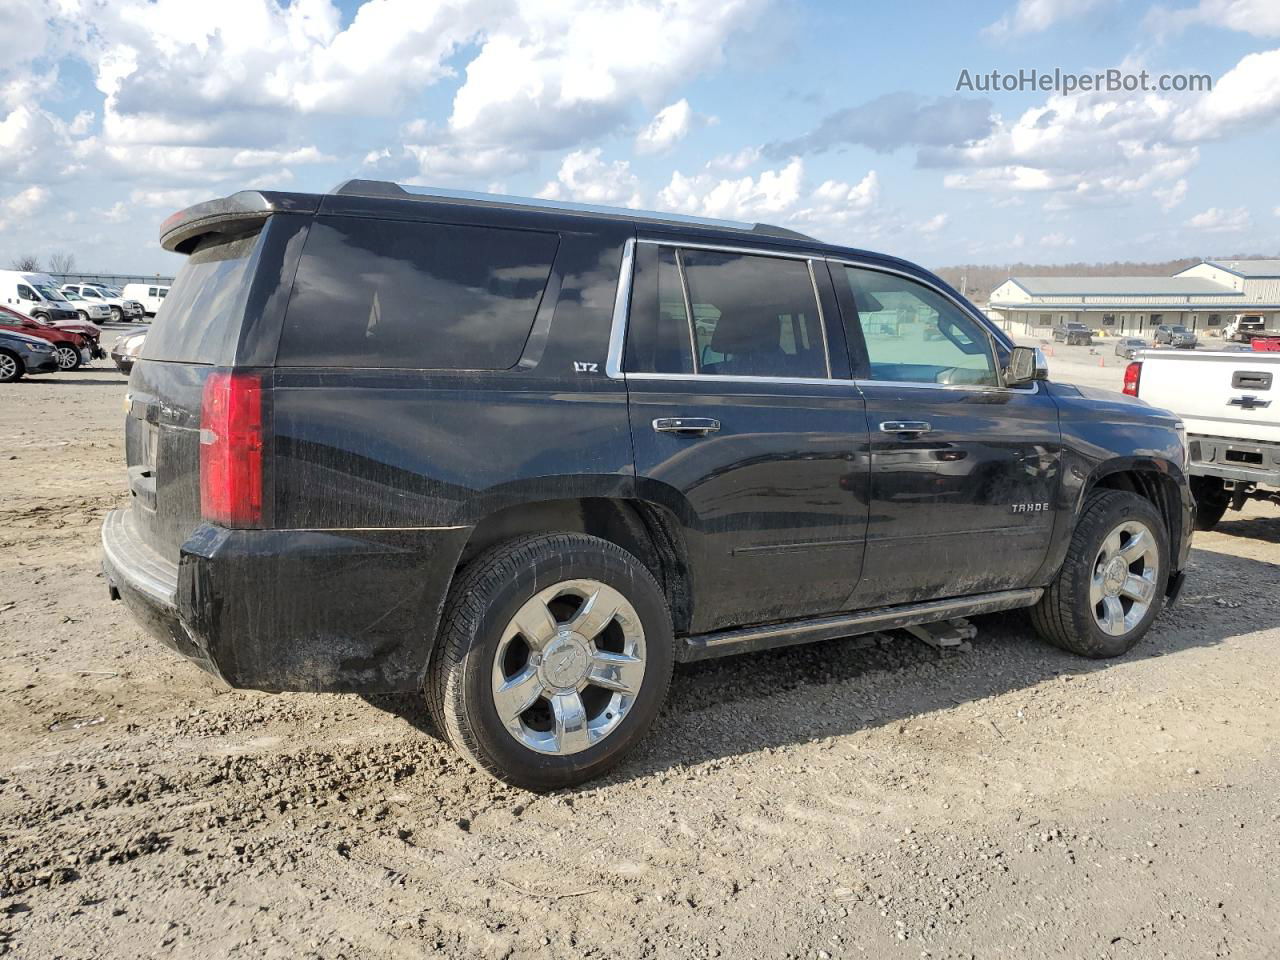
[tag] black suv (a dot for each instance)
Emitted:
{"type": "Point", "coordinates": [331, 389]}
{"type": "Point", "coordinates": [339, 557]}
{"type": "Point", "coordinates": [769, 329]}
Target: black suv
{"type": "Point", "coordinates": [1073, 332]}
{"type": "Point", "coordinates": [524, 456]}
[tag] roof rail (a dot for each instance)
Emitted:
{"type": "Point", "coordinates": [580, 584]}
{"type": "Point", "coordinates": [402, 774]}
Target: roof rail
{"type": "Point", "coordinates": [385, 188]}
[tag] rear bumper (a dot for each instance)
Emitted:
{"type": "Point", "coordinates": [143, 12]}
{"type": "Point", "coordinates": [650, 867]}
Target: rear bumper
{"type": "Point", "coordinates": [1237, 460]}
{"type": "Point", "coordinates": [337, 611]}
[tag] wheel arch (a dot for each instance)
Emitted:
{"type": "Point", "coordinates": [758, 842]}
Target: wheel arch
{"type": "Point", "coordinates": [1152, 480]}
{"type": "Point", "coordinates": [649, 531]}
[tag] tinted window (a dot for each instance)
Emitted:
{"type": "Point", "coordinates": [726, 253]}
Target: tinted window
{"type": "Point", "coordinates": [754, 316]}
{"type": "Point", "coordinates": [25, 292]}
{"type": "Point", "coordinates": [658, 330]}
{"type": "Point", "coordinates": [207, 305]}
{"type": "Point", "coordinates": [376, 293]}
{"type": "Point", "coordinates": [916, 335]}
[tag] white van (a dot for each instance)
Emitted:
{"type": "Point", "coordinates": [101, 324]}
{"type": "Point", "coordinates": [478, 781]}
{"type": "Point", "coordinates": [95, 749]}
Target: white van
{"type": "Point", "coordinates": [150, 295]}
{"type": "Point", "coordinates": [35, 295]}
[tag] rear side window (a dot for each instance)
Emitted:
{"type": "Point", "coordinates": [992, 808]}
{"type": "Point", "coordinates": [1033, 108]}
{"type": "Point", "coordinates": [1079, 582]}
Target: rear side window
{"type": "Point", "coordinates": [207, 304]}
{"type": "Point", "coordinates": [754, 316]}
{"type": "Point", "coordinates": [378, 293]}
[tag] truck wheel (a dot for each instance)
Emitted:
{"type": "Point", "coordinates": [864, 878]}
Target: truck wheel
{"type": "Point", "coordinates": [1212, 501]}
{"type": "Point", "coordinates": [116, 315]}
{"type": "Point", "coordinates": [10, 367]}
{"type": "Point", "coordinates": [554, 656]}
{"type": "Point", "coordinates": [1112, 584]}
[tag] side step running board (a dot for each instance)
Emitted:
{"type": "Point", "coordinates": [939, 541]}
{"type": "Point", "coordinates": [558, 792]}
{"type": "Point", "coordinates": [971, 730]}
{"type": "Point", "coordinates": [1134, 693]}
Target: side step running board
{"type": "Point", "coordinates": [748, 639]}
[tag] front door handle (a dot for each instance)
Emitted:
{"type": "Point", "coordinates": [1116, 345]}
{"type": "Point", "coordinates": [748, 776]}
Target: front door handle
{"type": "Point", "coordinates": [686, 426]}
{"type": "Point", "coordinates": [905, 426]}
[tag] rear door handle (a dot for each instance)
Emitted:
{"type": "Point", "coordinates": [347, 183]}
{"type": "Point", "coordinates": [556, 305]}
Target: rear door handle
{"type": "Point", "coordinates": [905, 426]}
{"type": "Point", "coordinates": [686, 426]}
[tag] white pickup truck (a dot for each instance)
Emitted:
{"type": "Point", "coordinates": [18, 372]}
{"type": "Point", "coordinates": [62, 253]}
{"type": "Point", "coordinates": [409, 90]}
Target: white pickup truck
{"type": "Point", "coordinates": [1228, 402]}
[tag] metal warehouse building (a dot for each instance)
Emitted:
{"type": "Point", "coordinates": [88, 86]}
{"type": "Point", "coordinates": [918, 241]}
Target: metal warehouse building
{"type": "Point", "coordinates": [1204, 297]}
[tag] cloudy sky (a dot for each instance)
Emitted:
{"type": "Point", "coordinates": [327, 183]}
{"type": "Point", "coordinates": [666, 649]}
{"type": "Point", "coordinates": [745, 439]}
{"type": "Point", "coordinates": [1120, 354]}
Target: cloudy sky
{"type": "Point", "coordinates": [838, 118]}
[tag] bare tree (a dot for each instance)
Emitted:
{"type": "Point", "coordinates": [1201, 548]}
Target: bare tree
{"type": "Point", "coordinates": [28, 263]}
{"type": "Point", "coordinates": [62, 261]}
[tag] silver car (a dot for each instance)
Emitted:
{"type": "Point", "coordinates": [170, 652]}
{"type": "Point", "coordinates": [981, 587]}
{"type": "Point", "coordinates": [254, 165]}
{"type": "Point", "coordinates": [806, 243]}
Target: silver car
{"type": "Point", "coordinates": [1128, 347]}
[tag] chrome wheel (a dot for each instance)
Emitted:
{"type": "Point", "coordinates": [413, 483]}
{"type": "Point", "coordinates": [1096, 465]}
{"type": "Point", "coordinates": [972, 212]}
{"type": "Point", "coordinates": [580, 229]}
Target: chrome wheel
{"type": "Point", "coordinates": [8, 367]}
{"type": "Point", "coordinates": [1123, 585]}
{"type": "Point", "coordinates": [569, 667]}
{"type": "Point", "coordinates": [67, 357]}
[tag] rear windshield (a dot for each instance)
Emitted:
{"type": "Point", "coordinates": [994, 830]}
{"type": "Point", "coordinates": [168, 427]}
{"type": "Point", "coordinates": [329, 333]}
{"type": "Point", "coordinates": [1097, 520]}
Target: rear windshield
{"type": "Point", "coordinates": [379, 293]}
{"type": "Point", "coordinates": [203, 310]}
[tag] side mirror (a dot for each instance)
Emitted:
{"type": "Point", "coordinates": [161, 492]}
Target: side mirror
{"type": "Point", "coordinates": [1026, 364]}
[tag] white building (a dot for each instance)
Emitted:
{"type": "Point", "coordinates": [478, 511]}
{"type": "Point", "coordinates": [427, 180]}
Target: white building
{"type": "Point", "coordinates": [1205, 297]}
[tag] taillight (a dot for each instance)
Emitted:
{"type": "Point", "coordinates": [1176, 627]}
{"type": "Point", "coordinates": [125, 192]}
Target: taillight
{"type": "Point", "coordinates": [231, 449]}
{"type": "Point", "coordinates": [1132, 377]}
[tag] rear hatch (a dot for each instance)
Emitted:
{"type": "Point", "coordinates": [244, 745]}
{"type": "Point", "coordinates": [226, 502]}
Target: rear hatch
{"type": "Point", "coordinates": [198, 331]}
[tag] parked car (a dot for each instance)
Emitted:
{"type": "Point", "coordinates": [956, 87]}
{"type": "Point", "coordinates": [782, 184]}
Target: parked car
{"type": "Point", "coordinates": [126, 349]}
{"type": "Point", "coordinates": [91, 332]}
{"type": "Point", "coordinates": [614, 441]}
{"type": "Point", "coordinates": [1073, 332]}
{"type": "Point", "coordinates": [1130, 346]}
{"type": "Point", "coordinates": [35, 295]}
{"type": "Point", "coordinates": [71, 349]}
{"type": "Point", "coordinates": [22, 353]}
{"type": "Point", "coordinates": [120, 308]}
{"type": "Point", "coordinates": [150, 295]}
{"type": "Point", "coordinates": [1175, 335]}
{"type": "Point", "coordinates": [90, 311]}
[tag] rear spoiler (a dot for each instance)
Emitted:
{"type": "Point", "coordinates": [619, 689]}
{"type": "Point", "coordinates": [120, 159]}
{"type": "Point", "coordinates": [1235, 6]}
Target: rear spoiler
{"type": "Point", "coordinates": [238, 213]}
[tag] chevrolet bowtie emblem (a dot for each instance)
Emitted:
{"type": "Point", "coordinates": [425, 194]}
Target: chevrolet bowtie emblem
{"type": "Point", "coordinates": [1248, 402]}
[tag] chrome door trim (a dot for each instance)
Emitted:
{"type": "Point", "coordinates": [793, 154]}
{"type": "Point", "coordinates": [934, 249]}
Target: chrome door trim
{"type": "Point", "coordinates": [822, 320]}
{"type": "Point", "coordinates": [730, 248]}
{"type": "Point", "coordinates": [621, 307]}
{"type": "Point", "coordinates": [688, 310]}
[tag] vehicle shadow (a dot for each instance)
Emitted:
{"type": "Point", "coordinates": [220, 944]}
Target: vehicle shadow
{"type": "Point", "coordinates": [71, 377]}
{"type": "Point", "coordinates": [1265, 529]}
{"type": "Point", "coordinates": [839, 687]}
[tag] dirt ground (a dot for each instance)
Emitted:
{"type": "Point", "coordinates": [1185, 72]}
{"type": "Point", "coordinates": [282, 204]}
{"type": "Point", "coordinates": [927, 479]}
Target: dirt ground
{"type": "Point", "coordinates": [845, 799]}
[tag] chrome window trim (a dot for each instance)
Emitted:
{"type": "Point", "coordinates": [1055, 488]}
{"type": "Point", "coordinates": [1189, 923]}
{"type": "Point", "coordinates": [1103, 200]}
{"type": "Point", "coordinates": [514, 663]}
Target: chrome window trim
{"type": "Point", "coordinates": [822, 319]}
{"type": "Point", "coordinates": [729, 248]}
{"type": "Point", "coordinates": [730, 378]}
{"type": "Point", "coordinates": [688, 309]}
{"type": "Point", "coordinates": [621, 307]}
{"type": "Point", "coordinates": [982, 321]}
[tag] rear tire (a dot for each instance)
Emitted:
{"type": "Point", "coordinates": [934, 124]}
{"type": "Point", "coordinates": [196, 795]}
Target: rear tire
{"type": "Point", "coordinates": [11, 368]}
{"type": "Point", "coordinates": [1111, 586]}
{"type": "Point", "coordinates": [498, 650]}
{"type": "Point", "coordinates": [1212, 501]}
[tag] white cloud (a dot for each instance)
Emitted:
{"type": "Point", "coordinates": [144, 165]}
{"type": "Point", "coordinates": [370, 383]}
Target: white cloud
{"type": "Point", "coordinates": [669, 126]}
{"type": "Point", "coordinates": [19, 207]}
{"type": "Point", "coordinates": [1244, 98]}
{"type": "Point", "coordinates": [1169, 197]}
{"type": "Point", "coordinates": [556, 73]}
{"type": "Point", "coordinates": [735, 162]}
{"type": "Point", "coordinates": [37, 146]}
{"type": "Point", "coordinates": [1258, 17]}
{"type": "Point", "coordinates": [1057, 240]}
{"type": "Point", "coordinates": [1220, 220]}
{"type": "Point", "coordinates": [780, 196]}
{"type": "Point", "coordinates": [584, 177]}
{"type": "Point", "coordinates": [934, 224]}
{"type": "Point", "coordinates": [1036, 16]}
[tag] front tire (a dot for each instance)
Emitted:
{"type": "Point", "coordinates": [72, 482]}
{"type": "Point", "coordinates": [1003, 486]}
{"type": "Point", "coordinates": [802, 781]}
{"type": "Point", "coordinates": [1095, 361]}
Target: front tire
{"type": "Point", "coordinates": [10, 367]}
{"type": "Point", "coordinates": [554, 657]}
{"type": "Point", "coordinates": [1112, 585]}
{"type": "Point", "coordinates": [116, 315]}
{"type": "Point", "coordinates": [68, 357]}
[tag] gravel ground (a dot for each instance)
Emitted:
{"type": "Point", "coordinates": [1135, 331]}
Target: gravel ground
{"type": "Point", "coordinates": [857, 797]}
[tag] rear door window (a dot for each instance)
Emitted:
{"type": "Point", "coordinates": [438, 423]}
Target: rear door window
{"type": "Point", "coordinates": [379, 293]}
{"type": "Point", "coordinates": [208, 303]}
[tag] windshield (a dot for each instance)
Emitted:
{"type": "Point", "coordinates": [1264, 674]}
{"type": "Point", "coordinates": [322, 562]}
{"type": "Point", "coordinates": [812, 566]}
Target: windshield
{"type": "Point", "coordinates": [69, 295]}
{"type": "Point", "coordinates": [1178, 329]}
{"type": "Point", "coordinates": [48, 291]}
